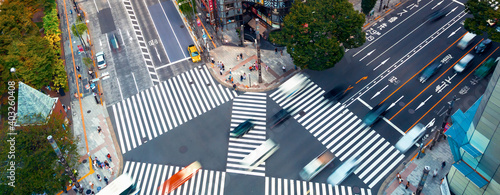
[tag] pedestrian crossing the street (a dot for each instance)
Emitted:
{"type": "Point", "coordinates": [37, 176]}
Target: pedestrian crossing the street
{"type": "Point", "coordinates": [167, 105]}
{"type": "Point", "coordinates": [150, 177]}
{"type": "Point", "coordinates": [247, 106]}
{"type": "Point", "coordinates": [281, 186]}
{"type": "Point", "coordinates": [342, 132]}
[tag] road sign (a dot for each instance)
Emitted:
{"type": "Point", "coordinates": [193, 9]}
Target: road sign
{"type": "Point", "coordinates": [198, 21]}
{"type": "Point", "coordinates": [204, 36]}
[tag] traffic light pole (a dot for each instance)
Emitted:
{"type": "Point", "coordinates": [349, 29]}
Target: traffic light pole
{"type": "Point", "coordinates": [64, 163]}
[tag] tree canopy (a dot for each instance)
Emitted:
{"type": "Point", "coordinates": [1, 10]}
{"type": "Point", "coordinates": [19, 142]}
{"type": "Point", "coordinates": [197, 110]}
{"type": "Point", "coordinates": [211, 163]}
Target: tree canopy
{"type": "Point", "coordinates": [482, 12]}
{"type": "Point", "coordinates": [37, 167]}
{"type": "Point", "coordinates": [316, 34]}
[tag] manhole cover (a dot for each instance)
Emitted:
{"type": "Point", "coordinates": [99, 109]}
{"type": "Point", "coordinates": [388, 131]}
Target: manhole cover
{"type": "Point", "coordinates": [182, 26]}
{"type": "Point", "coordinates": [411, 111]}
{"type": "Point", "coordinates": [183, 149]}
{"type": "Point", "coordinates": [402, 103]}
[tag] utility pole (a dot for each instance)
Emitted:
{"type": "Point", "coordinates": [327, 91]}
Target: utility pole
{"type": "Point", "coordinates": [242, 36]}
{"type": "Point", "coordinates": [420, 186]}
{"type": "Point", "coordinates": [440, 133]}
{"type": "Point", "coordinates": [380, 7]}
{"type": "Point", "coordinates": [63, 162]}
{"type": "Point", "coordinates": [258, 50]}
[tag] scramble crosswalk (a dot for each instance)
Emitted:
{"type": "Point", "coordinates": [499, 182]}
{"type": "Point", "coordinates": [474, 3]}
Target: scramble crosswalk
{"type": "Point", "coordinates": [342, 132]}
{"type": "Point", "coordinates": [150, 177]}
{"type": "Point", "coordinates": [247, 106]}
{"type": "Point", "coordinates": [282, 186]}
{"type": "Point", "coordinates": [165, 106]}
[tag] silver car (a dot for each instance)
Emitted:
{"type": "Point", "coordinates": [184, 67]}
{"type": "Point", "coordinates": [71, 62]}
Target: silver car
{"type": "Point", "coordinates": [408, 140]}
{"type": "Point", "coordinates": [343, 171]}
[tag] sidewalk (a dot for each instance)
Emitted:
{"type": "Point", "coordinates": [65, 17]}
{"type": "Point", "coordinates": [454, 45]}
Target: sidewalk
{"type": "Point", "coordinates": [413, 172]}
{"type": "Point", "coordinates": [86, 114]}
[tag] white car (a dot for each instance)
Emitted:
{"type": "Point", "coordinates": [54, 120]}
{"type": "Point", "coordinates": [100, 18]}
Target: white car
{"type": "Point", "coordinates": [408, 140]}
{"type": "Point", "coordinates": [460, 66]}
{"type": "Point", "coordinates": [101, 61]}
{"type": "Point", "coordinates": [343, 171]}
{"type": "Point", "coordinates": [293, 85]}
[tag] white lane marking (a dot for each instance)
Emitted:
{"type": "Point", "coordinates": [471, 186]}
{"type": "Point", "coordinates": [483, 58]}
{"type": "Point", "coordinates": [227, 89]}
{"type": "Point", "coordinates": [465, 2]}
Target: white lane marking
{"type": "Point", "coordinates": [157, 33]}
{"type": "Point", "coordinates": [368, 54]}
{"type": "Point", "coordinates": [192, 97]}
{"type": "Point", "coordinates": [372, 156]}
{"type": "Point", "coordinates": [129, 127]}
{"type": "Point", "coordinates": [393, 126]}
{"type": "Point", "coordinates": [153, 112]}
{"type": "Point", "coordinates": [205, 89]}
{"type": "Point", "coordinates": [348, 138]}
{"type": "Point", "coordinates": [96, 8]}
{"type": "Point", "coordinates": [119, 130]}
{"type": "Point", "coordinates": [223, 180]}
{"type": "Point", "coordinates": [375, 164]}
{"type": "Point", "coordinates": [158, 176]}
{"type": "Point", "coordinates": [199, 94]}
{"type": "Point", "coordinates": [170, 110]}
{"type": "Point", "coordinates": [119, 88]}
{"type": "Point", "coordinates": [159, 89]}
{"type": "Point", "coordinates": [172, 63]}
{"type": "Point", "coordinates": [155, 91]}
{"type": "Point", "coordinates": [363, 102]}
{"type": "Point", "coordinates": [437, 4]}
{"type": "Point", "coordinates": [153, 129]}
{"type": "Point", "coordinates": [344, 133]}
{"type": "Point", "coordinates": [133, 117]}
{"type": "Point", "coordinates": [179, 103]}
{"type": "Point", "coordinates": [458, 2]}
{"type": "Point", "coordinates": [138, 108]}
{"type": "Point", "coordinates": [171, 27]}
{"type": "Point", "coordinates": [380, 166]}
{"type": "Point", "coordinates": [381, 63]}
{"type": "Point", "coordinates": [394, 163]}
{"type": "Point", "coordinates": [186, 95]}
{"type": "Point", "coordinates": [369, 136]}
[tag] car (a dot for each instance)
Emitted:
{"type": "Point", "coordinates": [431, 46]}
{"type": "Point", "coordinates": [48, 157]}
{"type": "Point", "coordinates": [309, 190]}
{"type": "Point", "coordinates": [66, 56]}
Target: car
{"type": "Point", "coordinates": [280, 117]}
{"type": "Point", "coordinates": [101, 60]}
{"type": "Point", "coordinates": [193, 52]}
{"type": "Point", "coordinates": [375, 114]}
{"type": "Point", "coordinates": [485, 44]}
{"type": "Point", "coordinates": [294, 85]}
{"type": "Point", "coordinates": [486, 68]}
{"type": "Point", "coordinates": [410, 138]}
{"type": "Point", "coordinates": [435, 16]}
{"type": "Point", "coordinates": [114, 43]}
{"type": "Point", "coordinates": [429, 71]}
{"type": "Point", "coordinates": [337, 93]}
{"type": "Point", "coordinates": [242, 128]}
{"type": "Point", "coordinates": [343, 171]}
{"type": "Point", "coordinates": [462, 64]}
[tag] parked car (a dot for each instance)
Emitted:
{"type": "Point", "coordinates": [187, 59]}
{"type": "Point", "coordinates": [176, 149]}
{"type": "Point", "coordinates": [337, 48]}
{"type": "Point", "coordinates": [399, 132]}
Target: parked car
{"type": "Point", "coordinates": [242, 128]}
{"type": "Point", "coordinates": [280, 117]}
{"type": "Point", "coordinates": [101, 60]}
{"type": "Point", "coordinates": [343, 171]}
{"type": "Point", "coordinates": [485, 44]}
{"type": "Point", "coordinates": [429, 71]}
{"type": "Point", "coordinates": [375, 114]}
{"type": "Point", "coordinates": [337, 93]}
{"type": "Point", "coordinates": [462, 64]}
{"type": "Point", "coordinates": [193, 52]}
{"type": "Point", "coordinates": [408, 140]}
{"type": "Point", "coordinates": [486, 68]}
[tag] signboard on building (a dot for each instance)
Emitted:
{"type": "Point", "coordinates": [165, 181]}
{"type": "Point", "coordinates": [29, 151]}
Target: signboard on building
{"type": "Point", "coordinates": [210, 5]}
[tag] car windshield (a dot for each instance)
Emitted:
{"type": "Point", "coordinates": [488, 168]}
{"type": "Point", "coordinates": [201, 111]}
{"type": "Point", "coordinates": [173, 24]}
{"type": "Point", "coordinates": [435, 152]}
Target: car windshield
{"type": "Point", "coordinates": [100, 59]}
{"type": "Point", "coordinates": [195, 54]}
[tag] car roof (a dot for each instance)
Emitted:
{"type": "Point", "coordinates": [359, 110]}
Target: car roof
{"type": "Point", "coordinates": [467, 58]}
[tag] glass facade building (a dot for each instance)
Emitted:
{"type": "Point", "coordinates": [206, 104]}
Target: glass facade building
{"type": "Point", "coordinates": [474, 140]}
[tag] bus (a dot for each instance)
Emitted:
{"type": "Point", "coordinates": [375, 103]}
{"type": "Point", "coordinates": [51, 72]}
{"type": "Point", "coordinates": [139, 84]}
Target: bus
{"type": "Point", "coordinates": [179, 178]}
{"type": "Point", "coordinates": [122, 185]}
{"type": "Point", "coordinates": [260, 154]}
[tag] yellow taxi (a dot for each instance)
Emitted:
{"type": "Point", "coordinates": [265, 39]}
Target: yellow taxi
{"type": "Point", "coordinates": [193, 52]}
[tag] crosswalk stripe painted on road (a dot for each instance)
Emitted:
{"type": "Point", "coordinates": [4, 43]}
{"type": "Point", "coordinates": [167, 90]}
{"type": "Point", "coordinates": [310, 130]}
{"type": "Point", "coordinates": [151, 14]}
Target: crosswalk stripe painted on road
{"type": "Point", "coordinates": [247, 106]}
{"type": "Point", "coordinates": [163, 107]}
{"type": "Point", "coordinates": [150, 177]}
{"type": "Point", "coordinates": [280, 186]}
{"type": "Point", "coordinates": [341, 131]}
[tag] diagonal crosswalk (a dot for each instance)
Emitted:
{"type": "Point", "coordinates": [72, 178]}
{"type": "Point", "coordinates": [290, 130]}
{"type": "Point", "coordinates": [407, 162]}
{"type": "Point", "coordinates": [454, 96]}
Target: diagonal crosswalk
{"type": "Point", "coordinates": [247, 106]}
{"type": "Point", "coordinates": [282, 186]}
{"type": "Point", "coordinates": [149, 178]}
{"type": "Point", "coordinates": [342, 132]}
{"type": "Point", "coordinates": [165, 106]}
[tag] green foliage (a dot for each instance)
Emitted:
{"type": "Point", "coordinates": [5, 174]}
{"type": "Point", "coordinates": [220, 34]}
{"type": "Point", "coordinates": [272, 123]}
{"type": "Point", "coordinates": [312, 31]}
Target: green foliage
{"type": "Point", "coordinates": [37, 169]}
{"type": "Point", "coordinates": [186, 8]}
{"type": "Point", "coordinates": [367, 6]}
{"type": "Point", "coordinates": [482, 11]}
{"type": "Point", "coordinates": [315, 35]}
{"type": "Point", "coordinates": [50, 20]}
{"type": "Point", "coordinates": [88, 62]}
{"type": "Point", "coordinates": [81, 27]}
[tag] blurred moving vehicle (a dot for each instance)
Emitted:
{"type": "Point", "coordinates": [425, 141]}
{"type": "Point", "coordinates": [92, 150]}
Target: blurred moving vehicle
{"type": "Point", "coordinates": [435, 16]}
{"type": "Point", "coordinates": [123, 184]}
{"type": "Point", "coordinates": [179, 178]}
{"type": "Point", "coordinates": [280, 117]}
{"type": "Point", "coordinates": [193, 52]}
{"type": "Point", "coordinates": [485, 44]}
{"type": "Point", "coordinates": [242, 128]}
{"type": "Point", "coordinates": [429, 71]}
{"type": "Point", "coordinates": [466, 40]}
{"type": "Point", "coordinates": [293, 85]}
{"type": "Point", "coordinates": [343, 171]}
{"type": "Point", "coordinates": [375, 114]}
{"type": "Point", "coordinates": [316, 165]}
{"type": "Point", "coordinates": [260, 154]}
{"type": "Point", "coordinates": [114, 42]}
{"type": "Point", "coordinates": [337, 93]}
{"type": "Point", "coordinates": [462, 64]}
{"type": "Point", "coordinates": [487, 67]}
{"type": "Point", "coordinates": [408, 140]}
{"type": "Point", "coordinates": [101, 61]}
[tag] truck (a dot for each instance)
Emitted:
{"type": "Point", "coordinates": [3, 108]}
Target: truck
{"type": "Point", "coordinates": [466, 40]}
{"type": "Point", "coordinates": [316, 165]}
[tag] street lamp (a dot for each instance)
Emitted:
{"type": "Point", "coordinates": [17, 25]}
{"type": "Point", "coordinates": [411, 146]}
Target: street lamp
{"type": "Point", "coordinates": [258, 50]}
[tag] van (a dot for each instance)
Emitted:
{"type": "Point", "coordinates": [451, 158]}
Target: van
{"type": "Point", "coordinates": [460, 66]}
{"type": "Point", "coordinates": [408, 140]}
{"type": "Point", "coordinates": [466, 40]}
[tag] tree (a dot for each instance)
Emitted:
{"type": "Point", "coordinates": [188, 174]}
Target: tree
{"type": "Point", "coordinates": [316, 32]}
{"type": "Point", "coordinates": [482, 12]}
{"type": "Point", "coordinates": [81, 28]}
{"type": "Point", "coordinates": [367, 6]}
{"type": "Point", "coordinates": [186, 9]}
{"type": "Point", "coordinates": [37, 169]}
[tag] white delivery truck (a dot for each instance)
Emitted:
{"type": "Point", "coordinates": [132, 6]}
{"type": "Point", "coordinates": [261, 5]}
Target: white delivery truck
{"type": "Point", "coordinates": [316, 165]}
{"type": "Point", "coordinates": [466, 40]}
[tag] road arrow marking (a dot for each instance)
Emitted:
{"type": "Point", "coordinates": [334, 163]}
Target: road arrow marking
{"type": "Point", "coordinates": [369, 53]}
{"type": "Point", "coordinates": [423, 103]}
{"type": "Point", "coordinates": [449, 103]}
{"type": "Point", "coordinates": [451, 11]}
{"type": "Point", "coordinates": [453, 33]}
{"type": "Point", "coordinates": [393, 104]}
{"type": "Point", "coordinates": [439, 3]}
{"type": "Point", "coordinates": [363, 78]}
{"type": "Point", "coordinates": [378, 92]}
{"type": "Point", "coordinates": [157, 54]}
{"type": "Point", "coordinates": [382, 63]}
{"type": "Point", "coordinates": [431, 123]}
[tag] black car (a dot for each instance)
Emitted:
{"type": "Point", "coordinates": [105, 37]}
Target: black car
{"type": "Point", "coordinates": [336, 93]}
{"type": "Point", "coordinates": [375, 114]}
{"type": "Point", "coordinates": [242, 128]}
{"type": "Point", "coordinates": [429, 71]}
{"type": "Point", "coordinates": [485, 44]}
{"type": "Point", "coordinates": [280, 117]}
